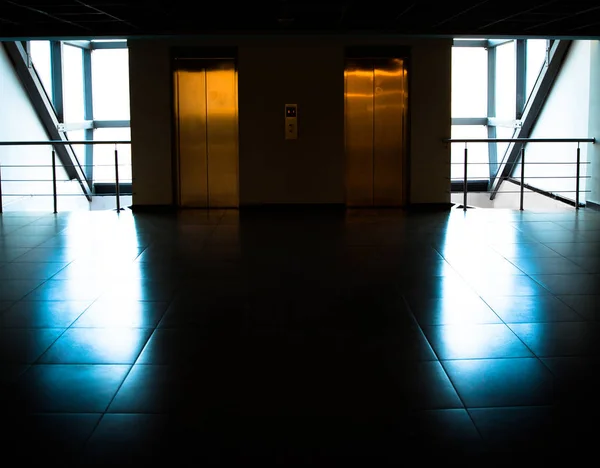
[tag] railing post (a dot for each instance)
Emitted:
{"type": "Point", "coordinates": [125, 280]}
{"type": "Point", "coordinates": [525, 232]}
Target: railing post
{"type": "Point", "coordinates": [465, 181]}
{"type": "Point", "coordinates": [577, 177]}
{"type": "Point", "coordinates": [117, 189]}
{"type": "Point", "coordinates": [54, 198]}
{"type": "Point", "coordinates": [522, 175]}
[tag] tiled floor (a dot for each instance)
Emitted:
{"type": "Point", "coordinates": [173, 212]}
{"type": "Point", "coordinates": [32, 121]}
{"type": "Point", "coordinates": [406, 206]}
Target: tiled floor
{"type": "Point", "coordinates": [219, 337]}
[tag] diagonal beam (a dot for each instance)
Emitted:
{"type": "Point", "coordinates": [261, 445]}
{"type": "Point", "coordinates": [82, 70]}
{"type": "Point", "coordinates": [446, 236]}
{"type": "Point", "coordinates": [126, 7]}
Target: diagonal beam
{"type": "Point", "coordinates": [540, 92]}
{"type": "Point", "coordinates": [47, 115]}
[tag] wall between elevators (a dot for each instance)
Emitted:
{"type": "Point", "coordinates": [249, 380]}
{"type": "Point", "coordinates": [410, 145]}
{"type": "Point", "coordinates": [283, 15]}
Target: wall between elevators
{"type": "Point", "coordinates": [273, 71]}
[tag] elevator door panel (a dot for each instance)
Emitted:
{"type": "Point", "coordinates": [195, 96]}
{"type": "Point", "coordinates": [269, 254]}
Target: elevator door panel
{"type": "Point", "coordinates": [375, 132]}
{"type": "Point", "coordinates": [222, 135]}
{"type": "Point", "coordinates": [207, 133]}
{"type": "Point", "coordinates": [359, 134]}
{"type": "Point", "coordinates": [388, 138]}
{"type": "Point", "coordinates": [191, 138]}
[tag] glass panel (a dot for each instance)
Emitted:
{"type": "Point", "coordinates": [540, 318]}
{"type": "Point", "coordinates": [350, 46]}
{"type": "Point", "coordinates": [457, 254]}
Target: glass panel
{"type": "Point", "coordinates": [469, 82]}
{"type": "Point", "coordinates": [110, 84]}
{"type": "Point", "coordinates": [40, 57]}
{"type": "Point", "coordinates": [73, 84]}
{"type": "Point", "coordinates": [78, 135]}
{"type": "Point", "coordinates": [104, 155]}
{"type": "Point", "coordinates": [536, 57]}
{"type": "Point", "coordinates": [503, 132]}
{"type": "Point", "coordinates": [478, 159]}
{"type": "Point", "coordinates": [506, 81]}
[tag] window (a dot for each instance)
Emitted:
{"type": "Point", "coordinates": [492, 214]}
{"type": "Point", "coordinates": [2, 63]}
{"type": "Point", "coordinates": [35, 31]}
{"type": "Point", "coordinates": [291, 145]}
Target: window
{"type": "Point", "coordinates": [104, 155]}
{"type": "Point", "coordinates": [110, 84]}
{"type": "Point", "coordinates": [469, 82]}
{"type": "Point", "coordinates": [73, 106]}
{"type": "Point", "coordinates": [506, 81]}
{"type": "Point", "coordinates": [40, 57]}
{"type": "Point", "coordinates": [536, 58]}
{"type": "Point", "coordinates": [78, 135]}
{"type": "Point", "coordinates": [478, 160]}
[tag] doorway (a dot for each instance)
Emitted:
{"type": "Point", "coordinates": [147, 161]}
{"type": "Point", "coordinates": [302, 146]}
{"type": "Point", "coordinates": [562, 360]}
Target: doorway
{"type": "Point", "coordinates": [206, 133]}
{"type": "Point", "coordinates": [375, 115]}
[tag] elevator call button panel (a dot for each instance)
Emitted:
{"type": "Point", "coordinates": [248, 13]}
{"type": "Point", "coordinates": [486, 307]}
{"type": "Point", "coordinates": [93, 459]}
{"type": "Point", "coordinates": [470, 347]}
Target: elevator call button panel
{"type": "Point", "coordinates": [291, 121]}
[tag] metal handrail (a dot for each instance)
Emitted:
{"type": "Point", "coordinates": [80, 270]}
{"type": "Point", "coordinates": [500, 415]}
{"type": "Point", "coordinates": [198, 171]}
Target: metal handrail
{"type": "Point", "coordinates": [524, 141]}
{"type": "Point", "coordinates": [64, 142]}
{"type": "Point", "coordinates": [519, 140]}
{"type": "Point", "coordinates": [53, 164]}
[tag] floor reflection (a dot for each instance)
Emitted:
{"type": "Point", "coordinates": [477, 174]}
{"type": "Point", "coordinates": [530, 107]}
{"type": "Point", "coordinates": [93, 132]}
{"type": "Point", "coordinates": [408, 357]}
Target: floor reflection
{"type": "Point", "coordinates": [279, 335]}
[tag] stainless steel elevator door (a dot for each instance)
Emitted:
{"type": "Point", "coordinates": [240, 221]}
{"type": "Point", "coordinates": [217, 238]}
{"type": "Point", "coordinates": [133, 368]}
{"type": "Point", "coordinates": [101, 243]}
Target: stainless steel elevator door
{"type": "Point", "coordinates": [375, 132]}
{"type": "Point", "coordinates": [206, 118]}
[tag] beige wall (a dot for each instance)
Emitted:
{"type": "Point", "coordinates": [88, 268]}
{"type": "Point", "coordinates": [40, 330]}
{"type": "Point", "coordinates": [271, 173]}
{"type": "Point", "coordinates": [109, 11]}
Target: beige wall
{"type": "Point", "coordinates": [273, 72]}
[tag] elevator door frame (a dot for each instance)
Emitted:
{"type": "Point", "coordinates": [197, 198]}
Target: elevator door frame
{"type": "Point", "coordinates": [194, 59]}
{"type": "Point", "coordinates": [375, 53]}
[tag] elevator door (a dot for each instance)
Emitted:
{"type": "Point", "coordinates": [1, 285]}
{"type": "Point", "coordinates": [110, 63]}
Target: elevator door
{"type": "Point", "coordinates": [206, 117]}
{"type": "Point", "coordinates": [375, 132]}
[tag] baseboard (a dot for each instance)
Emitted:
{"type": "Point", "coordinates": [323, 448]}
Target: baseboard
{"type": "Point", "coordinates": [153, 208]}
{"type": "Point", "coordinates": [592, 205]}
{"type": "Point", "coordinates": [430, 207]}
{"type": "Point", "coordinates": [293, 207]}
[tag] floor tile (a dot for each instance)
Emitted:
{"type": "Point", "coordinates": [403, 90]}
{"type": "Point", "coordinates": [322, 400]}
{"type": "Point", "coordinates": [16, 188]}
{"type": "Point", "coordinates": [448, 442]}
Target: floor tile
{"type": "Point", "coordinates": [587, 306]}
{"type": "Point", "coordinates": [134, 438]}
{"type": "Point", "coordinates": [122, 313]}
{"type": "Point", "coordinates": [475, 341]}
{"type": "Point", "coordinates": [590, 264]}
{"type": "Point", "coordinates": [26, 345]}
{"type": "Point", "coordinates": [171, 346]}
{"type": "Point", "coordinates": [517, 430]}
{"type": "Point", "coordinates": [501, 382]}
{"type": "Point", "coordinates": [526, 309]}
{"type": "Point", "coordinates": [506, 285]}
{"type": "Point", "coordinates": [50, 437]}
{"type": "Point", "coordinates": [424, 385]}
{"type": "Point", "coordinates": [524, 250]}
{"type": "Point", "coordinates": [575, 249]}
{"type": "Point", "coordinates": [97, 346]}
{"type": "Point", "coordinates": [437, 434]}
{"type": "Point", "coordinates": [322, 327]}
{"type": "Point", "coordinates": [16, 289]}
{"type": "Point", "coordinates": [547, 265]}
{"type": "Point", "coordinates": [9, 254]}
{"type": "Point", "coordinates": [576, 379]}
{"type": "Point", "coordinates": [452, 310]}
{"type": "Point", "coordinates": [160, 389]}
{"type": "Point", "coordinates": [67, 290]}
{"type": "Point", "coordinates": [30, 270]}
{"type": "Point", "coordinates": [51, 255]}
{"type": "Point", "coordinates": [42, 314]}
{"type": "Point", "coordinates": [62, 388]}
{"type": "Point", "coordinates": [140, 290]}
{"type": "Point", "coordinates": [560, 339]}
{"type": "Point", "coordinates": [569, 284]}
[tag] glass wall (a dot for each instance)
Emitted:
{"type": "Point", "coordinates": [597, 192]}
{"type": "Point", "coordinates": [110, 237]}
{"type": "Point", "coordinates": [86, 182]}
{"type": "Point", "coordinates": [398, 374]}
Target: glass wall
{"type": "Point", "coordinates": [469, 82]}
{"type": "Point", "coordinates": [484, 97]}
{"type": "Point", "coordinates": [94, 79]}
{"type": "Point", "coordinates": [40, 57]}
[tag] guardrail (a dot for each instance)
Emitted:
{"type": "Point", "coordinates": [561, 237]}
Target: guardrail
{"type": "Point", "coordinates": [85, 183]}
{"type": "Point", "coordinates": [507, 167]}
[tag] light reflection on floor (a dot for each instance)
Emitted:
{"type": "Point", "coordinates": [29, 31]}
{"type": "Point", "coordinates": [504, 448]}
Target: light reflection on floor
{"type": "Point", "coordinates": [321, 336]}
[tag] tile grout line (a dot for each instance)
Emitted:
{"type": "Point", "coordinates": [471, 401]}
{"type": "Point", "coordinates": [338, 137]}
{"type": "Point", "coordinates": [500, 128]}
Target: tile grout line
{"type": "Point", "coordinates": [406, 304]}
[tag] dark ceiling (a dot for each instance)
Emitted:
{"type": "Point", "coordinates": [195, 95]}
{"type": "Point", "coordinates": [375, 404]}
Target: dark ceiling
{"type": "Point", "coordinates": [22, 19]}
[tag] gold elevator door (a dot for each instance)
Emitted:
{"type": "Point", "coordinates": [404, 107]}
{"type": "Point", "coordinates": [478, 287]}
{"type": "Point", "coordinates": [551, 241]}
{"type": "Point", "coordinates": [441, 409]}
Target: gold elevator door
{"type": "Point", "coordinates": [376, 97]}
{"type": "Point", "coordinates": [206, 121]}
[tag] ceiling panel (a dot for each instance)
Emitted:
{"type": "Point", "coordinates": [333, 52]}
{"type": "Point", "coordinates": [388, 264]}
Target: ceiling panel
{"type": "Point", "coordinates": [21, 19]}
